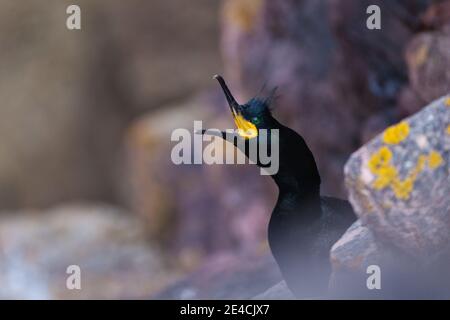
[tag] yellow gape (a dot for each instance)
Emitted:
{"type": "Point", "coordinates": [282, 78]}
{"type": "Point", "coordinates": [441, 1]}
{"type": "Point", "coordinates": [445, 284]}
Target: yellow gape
{"type": "Point", "coordinates": [246, 129]}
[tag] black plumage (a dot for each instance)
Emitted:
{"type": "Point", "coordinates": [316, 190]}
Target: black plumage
{"type": "Point", "coordinates": [303, 225]}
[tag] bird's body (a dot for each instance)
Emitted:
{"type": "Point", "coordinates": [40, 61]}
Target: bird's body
{"type": "Point", "coordinates": [303, 225]}
{"type": "Point", "coordinates": [301, 245]}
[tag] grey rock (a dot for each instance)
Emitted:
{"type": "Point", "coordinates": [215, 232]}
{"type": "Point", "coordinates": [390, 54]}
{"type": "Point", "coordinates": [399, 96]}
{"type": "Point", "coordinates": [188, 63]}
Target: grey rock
{"type": "Point", "coordinates": [355, 250]}
{"type": "Point", "coordinates": [399, 182]}
{"type": "Point", "coordinates": [350, 256]}
{"type": "Point", "coordinates": [108, 244]}
{"type": "Point", "coordinates": [280, 291]}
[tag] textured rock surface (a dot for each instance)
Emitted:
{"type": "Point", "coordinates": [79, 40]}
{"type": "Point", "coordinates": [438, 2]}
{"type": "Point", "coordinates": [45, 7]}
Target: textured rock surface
{"type": "Point", "coordinates": [399, 182]}
{"type": "Point", "coordinates": [356, 77]}
{"type": "Point", "coordinates": [401, 276]}
{"type": "Point", "coordinates": [355, 250]}
{"type": "Point", "coordinates": [402, 204]}
{"type": "Point", "coordinates": [280, 291]}
{"type": "Point", "coordinates": [350, 257]}
{"type": "Point", "coordinates": [398, 185]}
{"type": "Point", "coordinates": [108, 244]}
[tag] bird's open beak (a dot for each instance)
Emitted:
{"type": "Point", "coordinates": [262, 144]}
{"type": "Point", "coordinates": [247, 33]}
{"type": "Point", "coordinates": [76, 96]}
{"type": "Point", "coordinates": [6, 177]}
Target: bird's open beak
{"type": "Point", "coordinates": [246, 129]}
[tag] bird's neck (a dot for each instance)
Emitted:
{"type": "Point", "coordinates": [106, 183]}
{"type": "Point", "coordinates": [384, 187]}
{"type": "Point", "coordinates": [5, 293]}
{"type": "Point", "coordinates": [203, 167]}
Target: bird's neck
{"type": "Point", "coordinates": [297, 195]}
{"type": "Point", "coordinates": [298, 178]}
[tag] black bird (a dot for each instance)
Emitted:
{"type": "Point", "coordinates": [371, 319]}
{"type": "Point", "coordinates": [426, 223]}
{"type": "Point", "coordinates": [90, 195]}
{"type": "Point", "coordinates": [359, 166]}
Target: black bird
{"type": "Point", "coordinates": [303, 225]}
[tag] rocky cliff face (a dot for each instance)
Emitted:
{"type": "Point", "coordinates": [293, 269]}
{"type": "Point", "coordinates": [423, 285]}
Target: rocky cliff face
{"type": "Point", "coordinates": [329, 68]}
{"type": "Point", "coordinates": [398, 182]}
{"type": "Point", "coordinates": [340, 85]}
{"type": "Point", "coordinates": [117, 89]}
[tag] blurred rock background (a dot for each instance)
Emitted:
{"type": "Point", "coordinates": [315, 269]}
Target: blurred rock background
{"type": "Point", "coordinates": [86, 117]}
{"type": "Point", "coordinates": [68, 96]}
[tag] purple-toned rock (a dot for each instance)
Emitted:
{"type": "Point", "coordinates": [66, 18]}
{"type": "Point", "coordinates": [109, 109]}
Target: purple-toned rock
{"type": "Point", "coordinates": [428, 58]}
{"type": "Point", "coordinates": [227, 276]}
{"type": "Point", "coordinates": [437, 15]}
{"type": "Point", "coordinates": [338, 81]}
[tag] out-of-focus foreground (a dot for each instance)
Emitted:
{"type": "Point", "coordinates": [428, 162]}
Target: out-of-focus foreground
{"type": "Point", "coordinates": [86, 117]}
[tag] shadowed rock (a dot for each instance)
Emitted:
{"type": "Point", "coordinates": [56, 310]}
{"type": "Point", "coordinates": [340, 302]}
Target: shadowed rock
{"type": "Point", "coordinates": [227, 276]}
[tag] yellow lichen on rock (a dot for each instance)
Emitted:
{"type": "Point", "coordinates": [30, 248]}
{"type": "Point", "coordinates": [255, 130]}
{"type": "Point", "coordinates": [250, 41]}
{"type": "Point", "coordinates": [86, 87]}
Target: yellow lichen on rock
{"type": "Point", "coordinates": [448, 129]}
{"type": "Point", "coordinates": [380, 165]}
{"type": "Point", "coordinates": [447, 102]}
{"type": "Point", "coordinates": [402, 188]}
{"type": "Point", "coordinates": [397, 133]}
{"type": "Point", "coordinates": [242, 12]}
{"type": "Point", "coordinates": [419, 166]}
{"type": "Point", "coordinates": [434, 159]}
{"type": "Point", "coordinates": [380, 159]}
{"type": "Point", "coordinates": [387, 175]}
{"type": "Point", "coordinates": [420, 56]}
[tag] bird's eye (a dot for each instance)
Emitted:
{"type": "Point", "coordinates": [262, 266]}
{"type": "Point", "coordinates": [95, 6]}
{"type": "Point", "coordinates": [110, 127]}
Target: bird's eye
{"type": "Point", "coordinates": [256, 120]}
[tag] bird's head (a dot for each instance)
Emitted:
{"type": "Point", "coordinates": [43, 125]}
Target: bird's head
{"type": "Point", "coordinates": [285, 148]}
{"type": "Point", "coordinates": [251, 116]}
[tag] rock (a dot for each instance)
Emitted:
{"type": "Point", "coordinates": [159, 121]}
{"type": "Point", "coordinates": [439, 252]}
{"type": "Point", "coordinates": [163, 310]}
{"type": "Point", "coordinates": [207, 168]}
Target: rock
{"type": "Point", "coordinates": [398, 185]}
{"type": "Point", "coordinates": [350, 75]}
{"type": "Point", "coordinates": [162, 53]}
{"type": "Point", "coordinates": [46, 128]}
{"type": "Point", "coordinates": [437, 15]}
{"type": "Point", "coordinates": [355, 250]}
{"type": "Point", "coordinates": [350, 256]}
{"type": "Point", "coordinates": [108, 245]}
{"type": "Point", "coordinates": [227, 276]}
{"type": "Point", "coordinates": [398, 182]}
{"type": "Point", "coordinates": [428, 57]}
{"type": "Point", "coordinates": [280, 291]}
{"type": "Point", "coordinates": [127, 59]}
{"type": "Point", "coordinates": [409, 102]}
{"type": "Point", "coordinates": [275, 43]}
{"type": "Point", "coordinates": [355, 255]}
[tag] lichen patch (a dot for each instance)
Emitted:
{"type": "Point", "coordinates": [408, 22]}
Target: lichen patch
{"type": "Point", "coordinates": [396, 133]}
